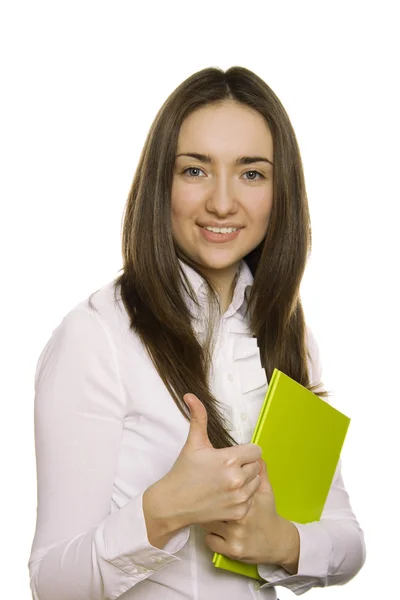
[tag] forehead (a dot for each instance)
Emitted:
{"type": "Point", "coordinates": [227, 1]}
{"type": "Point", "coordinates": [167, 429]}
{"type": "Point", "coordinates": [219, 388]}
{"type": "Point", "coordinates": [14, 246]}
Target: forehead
{"type": "Point", "coordinates": [228, 128]}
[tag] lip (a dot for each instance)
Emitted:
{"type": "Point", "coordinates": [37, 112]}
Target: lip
{"type": "Point", "coordinates": [220, 225]}
{"type": "Point", "coordinates": [218, 238]}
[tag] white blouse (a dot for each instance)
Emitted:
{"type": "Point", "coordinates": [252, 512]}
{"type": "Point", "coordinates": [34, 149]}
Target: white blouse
{"type": "Point", "coordinates": [106, 428]}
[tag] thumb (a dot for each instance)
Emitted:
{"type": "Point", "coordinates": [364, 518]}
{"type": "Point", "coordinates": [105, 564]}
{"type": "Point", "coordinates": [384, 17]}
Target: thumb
{"type": "Point", "coordinates": [265, 485]}
{"type": "Point", "coordinates": [198, 436]}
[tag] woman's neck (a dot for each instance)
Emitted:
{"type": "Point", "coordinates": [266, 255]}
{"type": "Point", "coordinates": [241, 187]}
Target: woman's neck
{"type": "Point", "coordinates": [224, 282]}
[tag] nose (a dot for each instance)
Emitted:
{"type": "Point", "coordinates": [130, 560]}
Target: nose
{"type": "Point", "coordinates": [221, 199]}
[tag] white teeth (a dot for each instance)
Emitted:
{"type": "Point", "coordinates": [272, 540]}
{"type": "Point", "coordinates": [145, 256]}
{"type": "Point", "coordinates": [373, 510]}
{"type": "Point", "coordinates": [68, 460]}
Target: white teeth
{"type": "Point", "coordinates": [222, 229]}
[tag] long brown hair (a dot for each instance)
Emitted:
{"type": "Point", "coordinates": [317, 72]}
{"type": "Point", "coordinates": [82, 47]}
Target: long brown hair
{"type": "Point", "coordinates": [151, 279]}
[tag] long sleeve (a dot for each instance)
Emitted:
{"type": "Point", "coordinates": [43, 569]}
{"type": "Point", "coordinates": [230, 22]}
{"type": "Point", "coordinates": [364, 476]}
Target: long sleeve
{"type": "Point", "coordinates": [332, 550]}
{"type": "Point", "coordinates": [81, 548]}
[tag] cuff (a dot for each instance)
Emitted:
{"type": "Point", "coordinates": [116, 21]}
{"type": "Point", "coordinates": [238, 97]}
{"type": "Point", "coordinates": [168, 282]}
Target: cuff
{"type": "Point", "coordinates": [127, 546]}
{"type": "Point", "coordinates": [315, 553]}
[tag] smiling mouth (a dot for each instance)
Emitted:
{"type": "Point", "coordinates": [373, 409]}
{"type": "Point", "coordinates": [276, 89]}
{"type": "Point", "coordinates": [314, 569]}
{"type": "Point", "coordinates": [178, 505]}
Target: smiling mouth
{"type": "Point", "coordinates": [219, 234]}
{"type": "Point", "coordinates": [221, 229]}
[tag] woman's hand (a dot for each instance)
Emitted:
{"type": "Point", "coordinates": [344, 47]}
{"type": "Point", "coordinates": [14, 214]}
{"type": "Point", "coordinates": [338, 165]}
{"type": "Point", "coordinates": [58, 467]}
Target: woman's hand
{"type": "Point", "coordinates": [205, 484]}
{"type": "Point", "coordinates": [261, 537]}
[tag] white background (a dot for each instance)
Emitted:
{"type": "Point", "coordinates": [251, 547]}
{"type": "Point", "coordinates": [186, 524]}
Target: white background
{"type": "Point", "coordinates": [81, 83]}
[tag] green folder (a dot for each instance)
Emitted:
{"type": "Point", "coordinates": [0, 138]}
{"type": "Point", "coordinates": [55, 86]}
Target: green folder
{"type": "Point", "coordinates": [301, 438]}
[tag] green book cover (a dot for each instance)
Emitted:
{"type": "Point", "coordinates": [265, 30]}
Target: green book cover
{"type": "Point", "coordinates": [301, 438]}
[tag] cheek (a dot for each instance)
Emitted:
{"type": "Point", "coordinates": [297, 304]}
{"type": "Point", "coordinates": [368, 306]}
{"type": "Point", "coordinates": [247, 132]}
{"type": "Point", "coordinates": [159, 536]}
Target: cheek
{"type": "Point", "coordinates": [179, 213]}
{"type": "Point", "coordinates": [261, 213]}
{"type": "Point", "coordinates": [177, 206]}
{"type": "Point", "coordinates": [184, 204]}
{"type": "Point", "coordinates": [181, 216]}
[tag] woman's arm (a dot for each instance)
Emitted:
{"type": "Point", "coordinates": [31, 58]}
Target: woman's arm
{"type": "Point", "coordinates": [162, 520]}
{"type": "Point", "coordinates": [332, 550]}
{"type": "Point", "coordinates": [81, 550]}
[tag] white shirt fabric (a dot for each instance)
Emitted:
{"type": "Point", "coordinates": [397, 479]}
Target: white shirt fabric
{"type": "Point", "coordinates": [106, 428]}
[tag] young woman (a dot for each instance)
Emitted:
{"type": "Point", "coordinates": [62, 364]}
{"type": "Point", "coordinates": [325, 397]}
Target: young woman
{"type": "Point", "coordinates": [148, 392]}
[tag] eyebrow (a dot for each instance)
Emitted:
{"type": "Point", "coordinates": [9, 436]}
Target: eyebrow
{"type": "Point", "coordinates": [242, 160]}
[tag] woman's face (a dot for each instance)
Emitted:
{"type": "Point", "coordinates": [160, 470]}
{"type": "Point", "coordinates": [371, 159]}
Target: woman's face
{"type": "Point", "coordinates": [229, 185]}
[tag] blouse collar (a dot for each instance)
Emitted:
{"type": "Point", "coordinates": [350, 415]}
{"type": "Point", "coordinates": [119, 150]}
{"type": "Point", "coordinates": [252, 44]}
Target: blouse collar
{"type": "Point", "coordinates": [240, 294]}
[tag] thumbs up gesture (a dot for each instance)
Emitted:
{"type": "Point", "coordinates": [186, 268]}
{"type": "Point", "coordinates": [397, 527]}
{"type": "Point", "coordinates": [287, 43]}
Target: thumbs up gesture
{"type": "Point", "coordinates": [207, 484]}
{"type": "Point", "coordinates": [198, 436]}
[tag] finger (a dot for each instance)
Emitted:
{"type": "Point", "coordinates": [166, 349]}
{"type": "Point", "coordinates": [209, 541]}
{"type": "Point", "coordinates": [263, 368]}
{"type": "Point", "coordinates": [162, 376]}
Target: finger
{"type": "Point", "coordinates": [216, 543]}
{"type": "Point", "coordinates": [217, 528]}
{"type": "Point", "coordinates": [265, 483]}
{"type": "Point", "coordinates": [198, 436]}
{"type": "Point", "coordinates": [250, 471]}
{"type": "Point", "coordinates": [243, 454]}
{"type": "Point", "coordinates": [250, 488]}
{"type": "Point", "coordinates": [230, 547]}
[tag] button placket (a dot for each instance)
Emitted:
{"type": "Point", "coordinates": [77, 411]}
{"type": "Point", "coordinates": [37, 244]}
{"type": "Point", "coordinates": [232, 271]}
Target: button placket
{"type": "Point", "coordinates": [143, 570]}
{"type": "Point", "coordinates": [228, 379]}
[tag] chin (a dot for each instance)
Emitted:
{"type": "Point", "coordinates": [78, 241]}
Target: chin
{"type": "Point", "coordinates": [219, 264]}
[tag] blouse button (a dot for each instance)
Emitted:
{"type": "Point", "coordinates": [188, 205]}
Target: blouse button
{"type": "Point", "coordinates": [256, 585]}
{"type": "Point", "coordinates": [243, 416]}
{"type": "Point", "coordinates": [143, 570]}
{"type": "Point", "coordinates": [230, 377]}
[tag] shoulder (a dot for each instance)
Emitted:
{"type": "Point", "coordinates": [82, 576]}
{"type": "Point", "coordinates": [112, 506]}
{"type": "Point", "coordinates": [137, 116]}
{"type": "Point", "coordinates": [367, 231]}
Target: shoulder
{"type": "Point", "coordinates": [91, 328]}
{"type": "Point", "coordinates": [103, 307]}
{"type": "Point", "coordinates": [106, 302]}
